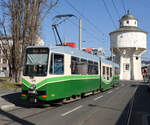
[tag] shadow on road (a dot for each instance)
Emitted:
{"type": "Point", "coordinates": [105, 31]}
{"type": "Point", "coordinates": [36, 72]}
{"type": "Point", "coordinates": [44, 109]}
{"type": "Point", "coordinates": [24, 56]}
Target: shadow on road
{"type": "Point", "coordinates": [15, 118]}
{"type": "Point", "coordinates": [15, 98]}
{"type": "Point", "coordinates": [140, 113]}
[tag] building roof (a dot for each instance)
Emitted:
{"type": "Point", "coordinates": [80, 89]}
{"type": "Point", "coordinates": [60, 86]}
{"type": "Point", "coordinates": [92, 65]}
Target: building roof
{"type": "Point", "coordinates": [128, 29]}
{"type": "Point", "coordinates": [128, 17]}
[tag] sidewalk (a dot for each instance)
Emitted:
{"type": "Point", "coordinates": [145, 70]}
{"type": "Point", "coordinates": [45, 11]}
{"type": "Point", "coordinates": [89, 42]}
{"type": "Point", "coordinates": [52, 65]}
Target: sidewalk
{"type": "Point", "coordinates": [9, 99]}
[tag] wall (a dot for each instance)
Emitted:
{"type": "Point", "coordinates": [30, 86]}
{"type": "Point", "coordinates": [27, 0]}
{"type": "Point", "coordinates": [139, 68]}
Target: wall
{"type": "Point", "coordinates": [128, 39]}
{"type": "Point", "coordinates": [136, 68]}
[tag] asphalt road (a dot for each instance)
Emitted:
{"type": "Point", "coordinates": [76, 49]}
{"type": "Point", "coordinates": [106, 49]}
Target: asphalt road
{"type": "Point", "coordinates": [127, 104]}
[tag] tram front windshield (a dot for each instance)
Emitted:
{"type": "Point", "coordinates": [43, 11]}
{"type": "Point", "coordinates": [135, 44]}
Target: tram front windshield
{"type": "Point", "coordinates": [36, 62]}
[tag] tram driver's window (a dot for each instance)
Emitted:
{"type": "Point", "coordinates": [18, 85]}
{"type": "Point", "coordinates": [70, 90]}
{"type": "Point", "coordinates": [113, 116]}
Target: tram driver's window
{"type": "Point", "coordinates": [57, 64]}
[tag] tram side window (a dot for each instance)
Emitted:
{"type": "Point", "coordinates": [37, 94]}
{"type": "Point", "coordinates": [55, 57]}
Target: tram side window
{"type": "Point", "coordinates": [90, 67]}
{"type": "Point", "coordinates": [83, 67]}
{"type": "Point", "coordinates": [107, 69]}
{"type": "Point", "coordinates": [110, 72]}
{"type": "Point", "coordinates": [95, 71]}
{"type": "Point", "coordinates": [103, 70]}
{"type": "Point", "coordinates": [74, 65]}
{"type": "Point", "coordinates": [57, 64]}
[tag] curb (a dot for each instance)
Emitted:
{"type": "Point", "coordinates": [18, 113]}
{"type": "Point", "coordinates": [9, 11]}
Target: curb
{"type": "Point", "coordinates": [7, 107]}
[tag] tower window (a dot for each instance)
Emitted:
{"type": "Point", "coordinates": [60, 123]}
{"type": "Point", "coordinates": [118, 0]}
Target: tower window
{"type": "Point", "coordinates": [126, 66]}
{"type": "Point", "coordinates": [127, 22]}
{"type": "Point", "coordinates": [135, 22]}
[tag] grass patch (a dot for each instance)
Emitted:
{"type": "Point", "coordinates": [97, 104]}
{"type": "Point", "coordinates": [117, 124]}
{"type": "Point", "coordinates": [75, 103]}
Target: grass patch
{"type": "Point", "coordinates": [6, 84]}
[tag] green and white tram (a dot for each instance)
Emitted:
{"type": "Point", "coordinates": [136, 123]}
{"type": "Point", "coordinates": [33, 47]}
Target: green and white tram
{"type": "Point", "coordinates": [60, 72]}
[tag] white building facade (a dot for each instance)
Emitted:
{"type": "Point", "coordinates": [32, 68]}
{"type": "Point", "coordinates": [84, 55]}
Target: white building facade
{"type": "Point", "coordinates": [128, 43]}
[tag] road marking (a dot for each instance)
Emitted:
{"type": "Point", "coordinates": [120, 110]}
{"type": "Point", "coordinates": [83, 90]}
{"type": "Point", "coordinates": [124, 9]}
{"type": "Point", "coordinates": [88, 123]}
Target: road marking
{"type": "Point", "coordinates": [98, 97]}
{"type": "Point", "coordinates": [109, 92]}
{"type": "Point", "coordinates": [7, 107]}
{"type": "Point", "coordinates": [72, 110]}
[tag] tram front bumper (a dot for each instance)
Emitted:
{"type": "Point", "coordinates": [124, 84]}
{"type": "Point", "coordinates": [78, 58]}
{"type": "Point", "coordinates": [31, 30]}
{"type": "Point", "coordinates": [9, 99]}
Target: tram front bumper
{"type": "Point", "coordinates": [32, 96]}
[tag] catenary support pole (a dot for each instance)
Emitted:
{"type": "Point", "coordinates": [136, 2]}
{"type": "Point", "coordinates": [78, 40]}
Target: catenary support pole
{"type": "Point", "coordinates": [80, 34]}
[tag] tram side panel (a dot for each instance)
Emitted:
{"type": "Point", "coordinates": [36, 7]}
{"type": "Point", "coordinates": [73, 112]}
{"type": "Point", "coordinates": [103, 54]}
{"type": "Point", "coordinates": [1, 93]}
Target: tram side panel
{"type": "Point", "coordinates": [75, 83]}
{"type": "Point", "coordinates": [116, 76]}
{"type": "Point", "coordinates": [108, 76]}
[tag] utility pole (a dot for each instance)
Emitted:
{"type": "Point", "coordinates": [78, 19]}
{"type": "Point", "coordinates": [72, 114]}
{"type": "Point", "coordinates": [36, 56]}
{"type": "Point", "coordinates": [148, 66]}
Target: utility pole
{"type": "Point", "coordinates": [80, 34]}
{"type": "Point", "coordinates": [112, 54]}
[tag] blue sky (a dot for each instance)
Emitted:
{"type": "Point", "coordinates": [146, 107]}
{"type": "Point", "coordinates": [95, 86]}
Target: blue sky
{"type": "Point", "coordinates": [94, 11]}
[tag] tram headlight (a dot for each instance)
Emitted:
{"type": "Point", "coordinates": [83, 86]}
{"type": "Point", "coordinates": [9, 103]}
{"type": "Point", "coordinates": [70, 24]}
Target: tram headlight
{"type": "Point", "coordinates": [32, 87]}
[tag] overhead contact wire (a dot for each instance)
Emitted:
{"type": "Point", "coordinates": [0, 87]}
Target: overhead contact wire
{"type": "Point", "coordinates": [96, 38]}
{"type": "Point", "coordinates": [116, 10]}
{"type": "Point", "coordinates": [107, 10]}
{"type": "Point", "coordinates": [81, 15]}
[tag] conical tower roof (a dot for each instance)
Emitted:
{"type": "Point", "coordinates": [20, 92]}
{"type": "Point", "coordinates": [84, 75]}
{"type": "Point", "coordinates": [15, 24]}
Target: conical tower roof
{"type": "Point", "coordinates": [128, 17]}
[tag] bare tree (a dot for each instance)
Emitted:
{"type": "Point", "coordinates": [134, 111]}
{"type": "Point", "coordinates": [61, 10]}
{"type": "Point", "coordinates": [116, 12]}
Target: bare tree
{"type": "Point", "coordinates": [25, 18]}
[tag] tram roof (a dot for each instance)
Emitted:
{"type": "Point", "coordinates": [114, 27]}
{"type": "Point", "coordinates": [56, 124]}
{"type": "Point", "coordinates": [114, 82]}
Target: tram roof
{"type": "Point", "coordinates": [75, 52]}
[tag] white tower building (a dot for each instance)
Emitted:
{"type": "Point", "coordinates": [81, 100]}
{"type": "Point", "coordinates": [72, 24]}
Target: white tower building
{"type": "Point", "coordinates": [128, 43]}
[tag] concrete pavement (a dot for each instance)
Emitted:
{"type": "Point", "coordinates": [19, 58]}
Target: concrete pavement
{"type": "Point", "coordinates": [8, 99]}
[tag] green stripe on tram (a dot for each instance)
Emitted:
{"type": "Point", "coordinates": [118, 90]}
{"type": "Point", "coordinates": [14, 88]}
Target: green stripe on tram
{"type": "Point", "coordinates": [65, 78]}
{"type": "Point", "coordinates": [59, 79]}
{"type": "Point", "coordinates": [26, 83]}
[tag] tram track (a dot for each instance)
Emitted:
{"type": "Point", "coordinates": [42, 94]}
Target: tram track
{"type": "Point", "coordinates": [130, 110]}
{"type": "Point", "coordinates": [131, 106]}
{"type": "Point", "coordinates": [138, 109]}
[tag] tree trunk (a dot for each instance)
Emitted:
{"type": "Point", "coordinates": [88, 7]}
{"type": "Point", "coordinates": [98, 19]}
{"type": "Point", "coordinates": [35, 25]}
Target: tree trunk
{"type": "Point", "coordinates": [25, 18]}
